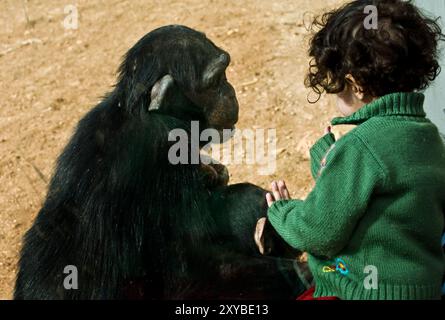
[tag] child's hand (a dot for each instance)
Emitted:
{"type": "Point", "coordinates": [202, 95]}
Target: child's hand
{"type": "Point", "coordinates": [279, 192]}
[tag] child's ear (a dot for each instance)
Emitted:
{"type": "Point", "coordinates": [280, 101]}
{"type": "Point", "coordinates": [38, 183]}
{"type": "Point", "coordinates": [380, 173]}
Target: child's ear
{"type": "Point", "coordinates": [358, 90]}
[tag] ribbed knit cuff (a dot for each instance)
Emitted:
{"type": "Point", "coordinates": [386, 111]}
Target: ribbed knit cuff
{"type": "Point", "coordinates": [319, 150]}
{"type": "Point", "coordinates": [278, 216]}
{"type": "Point", "coordinates": [276, 211]}
{"type": "Point", "coordinates": [278, 205]}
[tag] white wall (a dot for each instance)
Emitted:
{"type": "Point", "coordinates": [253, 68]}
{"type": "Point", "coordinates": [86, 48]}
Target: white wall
{"type": "Point", "coordinates": [435, 95]}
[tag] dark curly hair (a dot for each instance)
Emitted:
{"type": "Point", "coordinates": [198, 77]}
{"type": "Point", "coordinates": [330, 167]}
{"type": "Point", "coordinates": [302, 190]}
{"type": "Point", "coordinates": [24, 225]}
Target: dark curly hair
{"type": "Point", "coordinates": [401, 55]}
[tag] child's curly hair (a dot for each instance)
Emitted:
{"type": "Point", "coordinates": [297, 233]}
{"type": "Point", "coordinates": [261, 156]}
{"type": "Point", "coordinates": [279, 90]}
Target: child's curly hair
{"type": "Point", "coordinates": [401, 55]}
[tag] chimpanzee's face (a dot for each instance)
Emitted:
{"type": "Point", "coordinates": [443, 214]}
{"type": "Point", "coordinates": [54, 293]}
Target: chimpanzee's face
{"type": "Point", "coordinates": [217, 96]}
{"type": "Point", "coordinates": [189, 72]}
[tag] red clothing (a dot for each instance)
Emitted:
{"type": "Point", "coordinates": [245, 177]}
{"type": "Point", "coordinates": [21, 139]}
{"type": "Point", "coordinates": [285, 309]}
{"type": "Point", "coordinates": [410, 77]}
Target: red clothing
{"type": "Point", "coordinates": [309, 295]}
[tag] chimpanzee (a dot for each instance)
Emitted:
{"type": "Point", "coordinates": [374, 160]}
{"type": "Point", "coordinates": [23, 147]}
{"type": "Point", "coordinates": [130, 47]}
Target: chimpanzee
{"type": "Point", "coordinates": [134, 225]}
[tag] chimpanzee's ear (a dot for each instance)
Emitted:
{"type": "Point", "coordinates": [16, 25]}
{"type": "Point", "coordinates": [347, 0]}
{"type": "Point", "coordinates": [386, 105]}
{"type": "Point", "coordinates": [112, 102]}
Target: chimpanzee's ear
{"type": "Point", "coordinates": [159, 92]}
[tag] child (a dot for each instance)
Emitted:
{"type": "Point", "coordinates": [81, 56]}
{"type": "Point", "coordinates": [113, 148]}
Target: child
{"type": "Point", "coordinates": [372, 225]}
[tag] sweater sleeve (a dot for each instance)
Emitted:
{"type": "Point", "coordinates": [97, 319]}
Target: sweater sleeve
{"type": "Point", "coordinates": [323, 223]}
{"type": "Point", "coordinates": [318, 151]}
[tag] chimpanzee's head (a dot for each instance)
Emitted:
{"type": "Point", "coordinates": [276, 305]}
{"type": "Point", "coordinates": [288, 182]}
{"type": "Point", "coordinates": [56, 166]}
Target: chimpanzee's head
{"type": "Point", "coordinates": [177, 71]}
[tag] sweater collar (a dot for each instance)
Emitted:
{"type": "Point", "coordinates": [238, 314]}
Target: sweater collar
{"type": "Point", "coordinates": [400, 104]}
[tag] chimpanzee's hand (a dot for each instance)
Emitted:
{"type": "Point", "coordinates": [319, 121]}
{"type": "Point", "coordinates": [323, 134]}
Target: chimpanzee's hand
{"type": "Point", "coordinates": [279, 192]}
{"type": "Point", "coordinates": [215, 175]}
{"type": "Point", "coordinates": [259, 235]}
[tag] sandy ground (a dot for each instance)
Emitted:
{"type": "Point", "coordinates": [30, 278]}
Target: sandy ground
{"type": "Point", "coordinates": [50, 77]}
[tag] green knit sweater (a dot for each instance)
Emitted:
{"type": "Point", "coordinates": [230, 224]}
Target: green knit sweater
{"type": "Point", "coordinates": [373, 223]}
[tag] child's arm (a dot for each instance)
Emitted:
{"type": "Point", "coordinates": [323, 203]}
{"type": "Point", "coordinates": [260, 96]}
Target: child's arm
{"type": "Point", "coordinates": [323, 223]}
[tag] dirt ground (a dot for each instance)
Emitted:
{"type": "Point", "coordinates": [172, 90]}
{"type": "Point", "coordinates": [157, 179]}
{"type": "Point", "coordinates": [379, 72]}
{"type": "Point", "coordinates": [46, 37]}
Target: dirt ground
{"type": "Point", "coordinates": [50, 77]}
